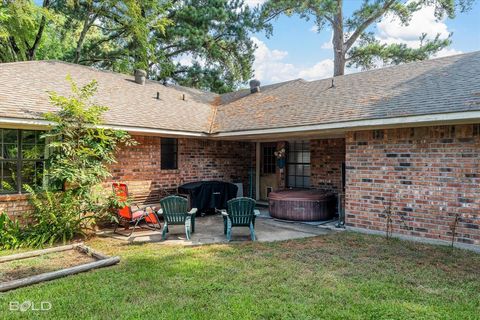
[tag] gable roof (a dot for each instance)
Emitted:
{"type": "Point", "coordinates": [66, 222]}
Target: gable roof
{"type": "Point", "coordinates": [437, 86]}
{"type": "Point", "coordinates": [443, 85]}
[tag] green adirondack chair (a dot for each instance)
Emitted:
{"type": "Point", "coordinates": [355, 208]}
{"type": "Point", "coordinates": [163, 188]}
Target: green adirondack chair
{"type": "Point", "coordinates": [240, 213]}
{"type": "Point", "coordinates": [174, 210]}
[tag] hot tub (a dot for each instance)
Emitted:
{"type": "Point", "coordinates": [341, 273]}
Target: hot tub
{"type": "Point", "coordinates": [302, 204]}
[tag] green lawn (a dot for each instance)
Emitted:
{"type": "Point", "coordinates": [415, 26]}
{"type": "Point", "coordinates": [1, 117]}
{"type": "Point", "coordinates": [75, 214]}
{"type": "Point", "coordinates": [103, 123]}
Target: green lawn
{"type": "Point", "coordinates": [339, 276]}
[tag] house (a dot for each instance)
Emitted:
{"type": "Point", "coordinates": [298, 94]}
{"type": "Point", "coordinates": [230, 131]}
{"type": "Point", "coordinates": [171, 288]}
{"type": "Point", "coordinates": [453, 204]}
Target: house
{"type": "Point", "coordinates": [405, 137]}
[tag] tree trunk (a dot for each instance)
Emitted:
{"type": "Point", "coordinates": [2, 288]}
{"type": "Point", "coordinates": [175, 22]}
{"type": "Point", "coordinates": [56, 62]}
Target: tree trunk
{"type": "Point", "coordinates": [15, 49]}
{"type": "Point", "coordinates": [33, 49]}
{"type": "Point", "coordinates": [86, 26]}
{"type": "Point", "coordinates": [338, 42]}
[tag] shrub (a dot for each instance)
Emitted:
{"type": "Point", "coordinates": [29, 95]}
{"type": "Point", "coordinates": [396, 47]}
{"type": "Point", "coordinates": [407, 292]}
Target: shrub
{"type": "Point", "coordinates": [11, 234]}
{"type": "Point", "coordinates": [57, 216]}
{"type": "Point", "coordinates": [80, 151]}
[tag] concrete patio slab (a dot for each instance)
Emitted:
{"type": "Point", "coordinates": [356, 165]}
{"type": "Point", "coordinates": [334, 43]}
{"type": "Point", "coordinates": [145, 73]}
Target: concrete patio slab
{"type": "Point", "coordinates": [209, 230]}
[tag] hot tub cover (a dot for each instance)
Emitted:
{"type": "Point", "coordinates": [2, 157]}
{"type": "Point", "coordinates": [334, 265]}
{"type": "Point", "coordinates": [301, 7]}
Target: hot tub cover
{"type": "Point", "coordinates": [300, 195]}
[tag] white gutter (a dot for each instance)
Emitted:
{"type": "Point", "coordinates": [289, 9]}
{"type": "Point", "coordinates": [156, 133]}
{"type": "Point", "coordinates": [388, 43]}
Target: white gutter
{"type": "Point", "coordinates": [156, 131]}
{"type": "Point", "coordinates": [432, 119]}
{"type": "Point", "coordinates": [459, 117]}
{"type": "Point", "coordinates": [44, 124]}
{"type": "Point", "coordinates": [25, 123]}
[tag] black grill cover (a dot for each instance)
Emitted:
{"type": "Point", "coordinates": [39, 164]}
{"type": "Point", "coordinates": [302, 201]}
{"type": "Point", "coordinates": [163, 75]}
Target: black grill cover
{"type": "Point", "coordinates": [206, 195]}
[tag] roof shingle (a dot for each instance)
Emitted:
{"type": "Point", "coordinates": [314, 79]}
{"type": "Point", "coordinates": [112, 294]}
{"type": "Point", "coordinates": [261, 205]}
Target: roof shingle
{"type": "Point", "coordinates": [24, 88]}
{"type": "Point", "coordinates": [450, 84]}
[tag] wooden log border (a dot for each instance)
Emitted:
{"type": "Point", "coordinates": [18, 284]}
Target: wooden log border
{"type": "Point", "coordinates": [103, 261]}
{"type": "Point", "coordinates": [36, 253]}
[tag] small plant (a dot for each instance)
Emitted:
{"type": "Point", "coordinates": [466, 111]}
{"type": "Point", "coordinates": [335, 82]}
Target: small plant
{"type": "Point", "coordinates": [57, 217]}
{"type": "Point", "coordinates": [453, 228]}
{"type": "Point", "coordinates": [388, 214]}
{"type": "Point", "coordinates": [11, 234]}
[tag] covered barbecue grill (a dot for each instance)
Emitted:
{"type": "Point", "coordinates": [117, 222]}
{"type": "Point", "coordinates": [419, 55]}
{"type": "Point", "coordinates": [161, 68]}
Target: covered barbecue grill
{"type": "Point", "coordinates": [208, 195]}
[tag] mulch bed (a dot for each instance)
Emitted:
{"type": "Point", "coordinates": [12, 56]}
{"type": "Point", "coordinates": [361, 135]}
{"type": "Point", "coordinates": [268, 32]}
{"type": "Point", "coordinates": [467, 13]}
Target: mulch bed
{"type": "Point", "coordinates": [18, 269]}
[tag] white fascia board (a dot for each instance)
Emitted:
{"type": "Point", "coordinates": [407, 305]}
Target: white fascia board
{"type": "Point", "coordinates": [44, 124]}
{"type": "Point", "coordinates": [459, 117]}
{"type": "Point", "coordinates": [154, 131]}
{"type": "Point", "coordinates": [430, 119]}
{"type": "Point", "coordinates": [25, 123]}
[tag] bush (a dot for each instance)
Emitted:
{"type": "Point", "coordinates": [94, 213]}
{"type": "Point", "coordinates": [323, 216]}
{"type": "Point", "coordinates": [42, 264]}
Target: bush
{"type": "Point", "coordinates": [11, 234]}
{"type": "Point", "coordinates": [57, 216]}
{"type": "Point", "coordinates": [80, 152]}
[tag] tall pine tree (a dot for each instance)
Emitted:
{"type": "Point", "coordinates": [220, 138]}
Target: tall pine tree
{"type": "Point", "coordinates": [353, 44]}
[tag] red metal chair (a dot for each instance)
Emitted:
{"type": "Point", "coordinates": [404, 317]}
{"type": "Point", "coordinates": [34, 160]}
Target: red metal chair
{"type": "Point", "coordinates": [133, 214]}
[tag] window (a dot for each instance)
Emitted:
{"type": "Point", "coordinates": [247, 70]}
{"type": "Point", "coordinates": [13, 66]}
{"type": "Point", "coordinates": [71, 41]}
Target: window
{"type": "Point", "coordinates": [169, 151]}
{"type": "Point", "coordinates": [298, 164]}
{"type": "Point", "coordinates": [22, 158]}
{"type": "Point", "coordinates": [268, 157]}
{"type": "Point", "coordinates": [378, 134]}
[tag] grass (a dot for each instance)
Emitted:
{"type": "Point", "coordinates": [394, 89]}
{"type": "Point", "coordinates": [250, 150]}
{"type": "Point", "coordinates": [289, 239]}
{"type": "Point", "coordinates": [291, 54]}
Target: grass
{"type": "Point", "coordinates": [338, 276]}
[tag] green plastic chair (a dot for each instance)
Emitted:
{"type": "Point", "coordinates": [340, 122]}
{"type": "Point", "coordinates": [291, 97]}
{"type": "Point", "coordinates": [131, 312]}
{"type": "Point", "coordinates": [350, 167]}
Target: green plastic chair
{"type": "Point", "coordinates": [240, 213]}
{"type": "Point", "coordinates": [174, 210]}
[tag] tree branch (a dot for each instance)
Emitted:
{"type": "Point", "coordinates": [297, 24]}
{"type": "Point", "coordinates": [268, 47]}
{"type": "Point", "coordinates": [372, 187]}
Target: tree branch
{"type": "Point", "coordinates": [366, 23]}
{"type": "Point", "coordinates": [276, 14]}
{"type": "Point", "coordinates": [87, 24]}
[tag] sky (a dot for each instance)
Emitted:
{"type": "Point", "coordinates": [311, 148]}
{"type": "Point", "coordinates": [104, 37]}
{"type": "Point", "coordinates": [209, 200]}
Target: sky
{"type": "Point", "coordinates": [297, 50]}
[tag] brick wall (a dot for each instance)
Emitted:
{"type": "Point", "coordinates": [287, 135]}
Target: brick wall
{"type": "Point", "coordinates": [428, 174]}
{"type": "Point", "coordinates": [198, 159]}
{"type": "Point", "coordinates": [15, 205]}
{"type": "Point", "coordinates": [327, 156]}
{"type": "Point", "coordinates": [139, 167]}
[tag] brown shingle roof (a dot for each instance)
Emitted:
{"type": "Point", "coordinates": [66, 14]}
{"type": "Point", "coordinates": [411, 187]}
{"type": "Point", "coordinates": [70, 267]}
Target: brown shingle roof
{"type": "Point", "coordinates": [24, 90]}
{"type": "Point", "coordinates": [450, 84]}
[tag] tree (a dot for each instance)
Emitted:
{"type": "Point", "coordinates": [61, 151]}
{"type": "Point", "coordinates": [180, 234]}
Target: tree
{"type": "Point", "coordinates": [114, 33]}
{"type": "Point", "coordinates": [22, 29]}
{"type": "Point", "coordinates": [353, 44]}
{"type": "Point", "coordinates": [216, 35]}
{"type": "Point", "coordinates": [79, 154]}
{"type": "Point", "coordinates": [80, 149]}
{"type": "Point", "coordinates": [201, 43]}
{"type": "Point", "coordinates": [155, 36]}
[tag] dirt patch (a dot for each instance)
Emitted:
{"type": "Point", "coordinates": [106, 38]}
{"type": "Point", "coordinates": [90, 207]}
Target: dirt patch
{"type": "Point", "coordinates": [18, 269]}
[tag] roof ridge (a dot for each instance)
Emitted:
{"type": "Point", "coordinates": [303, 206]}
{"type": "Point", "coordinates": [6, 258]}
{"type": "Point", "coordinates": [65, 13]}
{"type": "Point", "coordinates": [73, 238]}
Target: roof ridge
{"type": "Point", "coordinates": [277, 84]}
{"type": "Point", "coordinates": [402, 65]}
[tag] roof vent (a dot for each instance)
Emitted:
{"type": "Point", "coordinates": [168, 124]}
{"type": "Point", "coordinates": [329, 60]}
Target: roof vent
{"type": "Point", "coordinates": [254, 86]}
{"type": "Point", "coordinates": [140, 76]}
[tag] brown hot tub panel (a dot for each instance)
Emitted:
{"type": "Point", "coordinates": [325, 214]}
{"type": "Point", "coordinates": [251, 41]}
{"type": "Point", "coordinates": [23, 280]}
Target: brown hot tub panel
{"type": "Point", "coordinates": [302, 205]}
